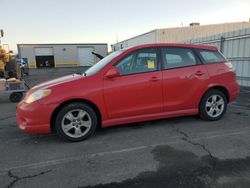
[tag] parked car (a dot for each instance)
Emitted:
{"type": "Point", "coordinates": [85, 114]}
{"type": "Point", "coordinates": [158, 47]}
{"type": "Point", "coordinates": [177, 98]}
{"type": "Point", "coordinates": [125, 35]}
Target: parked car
{"type": "Point", "coordinates": [141, 83]}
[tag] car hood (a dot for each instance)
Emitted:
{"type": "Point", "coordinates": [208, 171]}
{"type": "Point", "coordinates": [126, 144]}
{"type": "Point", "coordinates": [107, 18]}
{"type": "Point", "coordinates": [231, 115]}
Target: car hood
{"type": "Point", "coordinates": [57, 81]}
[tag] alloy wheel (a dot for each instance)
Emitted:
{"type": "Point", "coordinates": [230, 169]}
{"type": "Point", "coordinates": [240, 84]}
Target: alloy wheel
{"type": "Point", "coordinates": [215, 105]}
{"type": "Point", "coordinates": [76, 123]}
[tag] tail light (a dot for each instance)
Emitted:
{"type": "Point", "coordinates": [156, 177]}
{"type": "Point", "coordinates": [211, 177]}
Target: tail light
{"type": "Point", "coordinates": [230, 66]}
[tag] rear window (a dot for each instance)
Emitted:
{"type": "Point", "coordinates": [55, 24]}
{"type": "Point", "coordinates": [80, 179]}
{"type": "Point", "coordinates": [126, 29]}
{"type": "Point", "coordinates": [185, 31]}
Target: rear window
{"type": "Point", "coordinates": [212, 56]}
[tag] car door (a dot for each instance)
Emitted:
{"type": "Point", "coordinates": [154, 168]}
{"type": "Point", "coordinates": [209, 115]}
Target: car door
{"type": "Point", "coordinates": [184, 79]}
{"type": "Point", "coordinates": [138, 90]}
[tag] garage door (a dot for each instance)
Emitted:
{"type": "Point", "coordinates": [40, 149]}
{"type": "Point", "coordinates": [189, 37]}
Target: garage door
{"type": "Point", "coordinates": [44, 57]}
{"type": "Point", "coordinates": [85, 56]}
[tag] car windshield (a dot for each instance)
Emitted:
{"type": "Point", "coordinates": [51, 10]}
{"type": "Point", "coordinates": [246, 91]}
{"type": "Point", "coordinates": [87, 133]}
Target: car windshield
{"type": "Point", "coordinates": [102, 63]}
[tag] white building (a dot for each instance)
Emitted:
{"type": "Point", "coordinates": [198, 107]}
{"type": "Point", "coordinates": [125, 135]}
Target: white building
{"type": "Point", "coordinates": [61, 55]}
{"type": "Point", "coordinates": [179, 34]}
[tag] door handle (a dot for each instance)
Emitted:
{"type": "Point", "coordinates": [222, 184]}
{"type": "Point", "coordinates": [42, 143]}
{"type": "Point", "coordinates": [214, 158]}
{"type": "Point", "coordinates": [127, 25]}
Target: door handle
{"type": "Point", "coordinates": [154, 79]}
{"type": "Point", "coordinates": [199, 73]}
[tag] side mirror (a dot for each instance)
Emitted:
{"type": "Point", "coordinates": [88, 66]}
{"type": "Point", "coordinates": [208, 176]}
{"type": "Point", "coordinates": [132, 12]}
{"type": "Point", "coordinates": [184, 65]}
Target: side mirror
{"type": "Point", "coordinates": [112, 73]}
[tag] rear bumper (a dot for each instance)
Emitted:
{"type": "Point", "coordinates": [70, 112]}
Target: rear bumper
{"type": "Point", "coordinates": [34, 118]}
{"type": "Point", "coordinates": [234, 91]}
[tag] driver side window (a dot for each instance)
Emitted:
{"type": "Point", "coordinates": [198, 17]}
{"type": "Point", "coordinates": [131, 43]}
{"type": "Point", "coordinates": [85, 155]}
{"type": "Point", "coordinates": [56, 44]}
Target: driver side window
{"type": "Point", "coordinates": [125, 64]}
{"type": "Point", "coordinates": [141, 61]}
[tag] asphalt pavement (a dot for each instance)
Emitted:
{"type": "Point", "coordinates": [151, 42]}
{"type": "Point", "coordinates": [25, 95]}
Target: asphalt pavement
{"type": "Point", "coordinates": [178, 152]}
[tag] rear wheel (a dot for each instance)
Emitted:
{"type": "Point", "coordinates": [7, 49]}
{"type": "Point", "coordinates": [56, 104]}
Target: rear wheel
{"type": "Point", "coordinates": [213, 105]}
{"type": "Point", "coordinates": [76, 122]}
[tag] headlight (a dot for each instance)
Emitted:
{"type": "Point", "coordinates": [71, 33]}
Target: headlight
{"type": "Point", "coordinates": [37, 95]}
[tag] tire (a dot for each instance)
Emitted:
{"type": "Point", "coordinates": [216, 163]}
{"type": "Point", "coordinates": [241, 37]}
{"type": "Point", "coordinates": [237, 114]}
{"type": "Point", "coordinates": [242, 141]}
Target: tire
{"type": "Point", "coordinates": [76, 122]}
{"type": "Point", "coordinates": [16, 97]}
{"type": "Point", "coordinates": [213, 105]}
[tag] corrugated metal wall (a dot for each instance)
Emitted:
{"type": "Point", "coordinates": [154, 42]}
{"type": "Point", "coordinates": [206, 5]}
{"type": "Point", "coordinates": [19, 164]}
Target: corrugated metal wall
{"type": "Point", "coordinates": [236, 47]}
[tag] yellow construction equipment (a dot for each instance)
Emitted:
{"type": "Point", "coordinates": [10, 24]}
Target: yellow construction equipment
{"type": "Point", "coordinates": [8, 65]}
{"type": "Point", "coordinates": [4, 59]}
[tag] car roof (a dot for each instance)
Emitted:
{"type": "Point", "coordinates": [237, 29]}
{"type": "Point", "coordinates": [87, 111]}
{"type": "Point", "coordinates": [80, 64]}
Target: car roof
{"type": "Point", "coordinates": [197, 46]}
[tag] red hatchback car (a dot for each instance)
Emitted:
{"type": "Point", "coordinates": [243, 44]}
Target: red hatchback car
{"type": "Point", "coordinates": [140, 83]}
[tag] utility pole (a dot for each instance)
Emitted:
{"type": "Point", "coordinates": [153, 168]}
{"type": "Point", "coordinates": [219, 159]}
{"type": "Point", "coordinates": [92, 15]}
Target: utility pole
{"type": "Point", "coordinates": [1, 35]}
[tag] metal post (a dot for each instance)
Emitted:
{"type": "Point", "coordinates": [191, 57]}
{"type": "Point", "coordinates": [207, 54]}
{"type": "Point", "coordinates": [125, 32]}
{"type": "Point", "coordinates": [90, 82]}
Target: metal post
{"type": "Point", "coordinates": [222, 40]}
{"type": "Point", "coordinates": [1, 35]}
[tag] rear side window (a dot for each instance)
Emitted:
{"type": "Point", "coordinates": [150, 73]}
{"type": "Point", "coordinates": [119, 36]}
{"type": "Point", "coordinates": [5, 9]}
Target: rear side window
{"type": "Point", "coordinates": [212, 56]}
{"type": "Point", "coordinates": [178, 57]}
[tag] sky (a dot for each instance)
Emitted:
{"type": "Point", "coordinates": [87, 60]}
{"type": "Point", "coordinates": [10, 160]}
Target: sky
{"type": "Point", "coordinates": [107, 21]}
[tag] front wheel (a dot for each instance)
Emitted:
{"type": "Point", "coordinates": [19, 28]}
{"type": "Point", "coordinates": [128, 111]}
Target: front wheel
{"type": "Point", "coordinates": [76, 122]}
{"type": "Point", "coordinates": [213, 105]}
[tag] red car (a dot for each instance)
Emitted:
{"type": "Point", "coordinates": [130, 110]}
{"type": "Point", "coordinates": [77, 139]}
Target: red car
{"type": "Point", "coordinates": [141, 83]}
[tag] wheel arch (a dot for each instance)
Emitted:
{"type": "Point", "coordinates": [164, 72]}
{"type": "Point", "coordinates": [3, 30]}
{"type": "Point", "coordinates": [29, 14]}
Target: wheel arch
{"type": "Point", "coordinates": [85, 101]}
{"type": "Point", "coordinates": [219, 88]}
{"type": "Point", "coordinates": [202, 112]}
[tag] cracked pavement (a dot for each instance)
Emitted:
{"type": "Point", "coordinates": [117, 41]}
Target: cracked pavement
{"type": "Point", "coordinates": [17, 178]}
{"type": "Point", "coordinates": [188, 140]}
{"type": "Point", "coordinates": [178, 152]}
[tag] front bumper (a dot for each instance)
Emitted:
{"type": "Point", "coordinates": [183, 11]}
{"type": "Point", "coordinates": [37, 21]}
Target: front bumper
{"type": "Point", "coordinates": [34, 118]}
